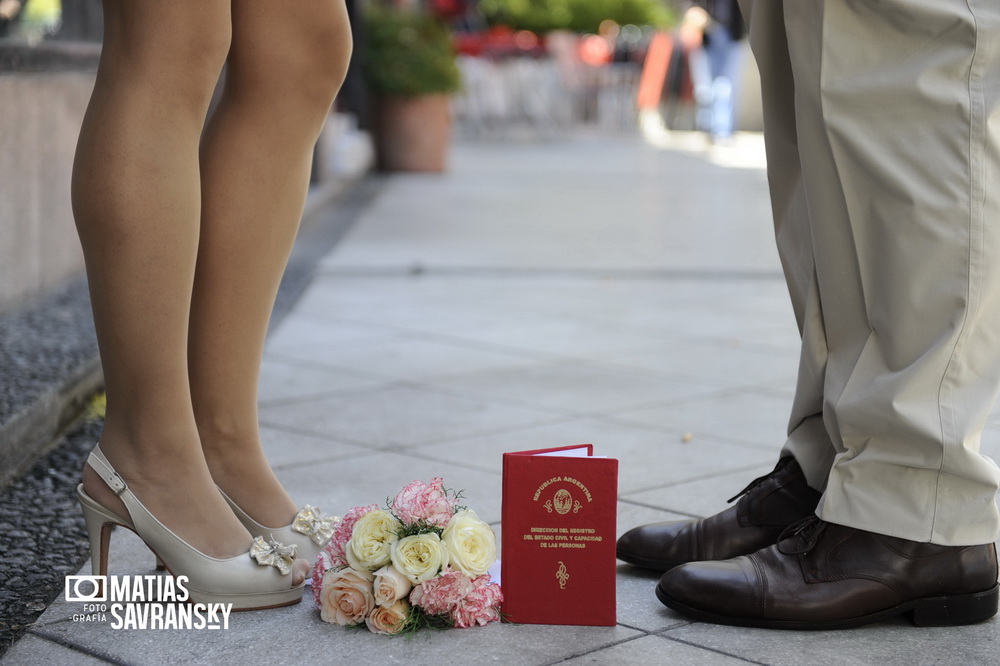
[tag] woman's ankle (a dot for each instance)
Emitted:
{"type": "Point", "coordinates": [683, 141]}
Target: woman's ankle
{"type": "Point", "coordinates": [244, 474]}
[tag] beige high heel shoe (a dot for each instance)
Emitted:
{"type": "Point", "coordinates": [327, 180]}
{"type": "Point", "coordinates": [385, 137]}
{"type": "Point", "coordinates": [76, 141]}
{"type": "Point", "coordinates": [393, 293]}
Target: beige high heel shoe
{"type": "Point", "coordinates": [310, 531]}
{"type": "Point", "coordinates": [260, 579]}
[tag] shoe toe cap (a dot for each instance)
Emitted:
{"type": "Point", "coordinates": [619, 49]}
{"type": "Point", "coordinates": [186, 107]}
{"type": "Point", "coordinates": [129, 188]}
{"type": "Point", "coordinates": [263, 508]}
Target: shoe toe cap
{"type": "Point", "coordinates": [652, 546]}
{"type": "Point", "coordinates": [720, 588]}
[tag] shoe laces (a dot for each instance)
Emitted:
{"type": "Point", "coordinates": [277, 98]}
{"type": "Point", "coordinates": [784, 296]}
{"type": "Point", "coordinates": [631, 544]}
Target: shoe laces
{"type": "Point", "coordinates": [809, 530]}
{"type": "Point", "coordinates": [751, 486]}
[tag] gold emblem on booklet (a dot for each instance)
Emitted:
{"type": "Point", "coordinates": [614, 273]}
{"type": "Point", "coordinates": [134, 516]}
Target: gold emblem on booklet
{"type": "Point", "coordinates": [563, 575]}
{"type": "Point", "coordinates": [562, 501]}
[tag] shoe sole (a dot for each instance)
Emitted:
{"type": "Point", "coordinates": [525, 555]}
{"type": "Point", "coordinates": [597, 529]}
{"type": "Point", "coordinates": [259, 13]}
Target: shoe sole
{"type": "Point", "coordinates": [947, 611]}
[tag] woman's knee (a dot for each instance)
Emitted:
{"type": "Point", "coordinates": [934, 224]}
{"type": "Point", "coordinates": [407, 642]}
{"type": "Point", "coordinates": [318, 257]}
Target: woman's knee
{"type": "Point", "coordinates": [177, 47]}
{"type": "Point", "coordinates": [299, 59]}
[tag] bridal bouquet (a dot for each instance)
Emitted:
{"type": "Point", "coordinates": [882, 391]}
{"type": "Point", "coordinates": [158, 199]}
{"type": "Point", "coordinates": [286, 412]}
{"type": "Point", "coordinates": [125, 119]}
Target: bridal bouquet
{"type": "Point", "coordinates": [422, 561]}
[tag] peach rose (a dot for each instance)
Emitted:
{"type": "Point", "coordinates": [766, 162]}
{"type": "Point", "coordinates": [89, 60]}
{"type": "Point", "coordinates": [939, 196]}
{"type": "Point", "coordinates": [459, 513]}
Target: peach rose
{"type": "Point", "coordinates": [390, 586]}
{"type": "Point", "coordinates": [347, 596]}
{"type": "Point", "coordinates": [389, 620]}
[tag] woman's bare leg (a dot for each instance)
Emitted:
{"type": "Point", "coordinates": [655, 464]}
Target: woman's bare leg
{"type": "Point", "coordinates": [137, 202]}
{"type": "Point", "coordinates": [285, 66]}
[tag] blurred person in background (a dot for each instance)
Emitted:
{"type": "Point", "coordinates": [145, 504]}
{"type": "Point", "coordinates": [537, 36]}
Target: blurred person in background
{"type": "Point", "coordinates": [721, 42]}
{"type": "Point", "coordinates": [882, 127]}
{"type": "Point", "coordinates": [186, 228]}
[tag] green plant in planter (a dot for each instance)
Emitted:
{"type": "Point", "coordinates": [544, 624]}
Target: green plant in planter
{"type": "Point", "coordinates": [408, 54]}
{"type": "Point", "coordinates": [575, 15]}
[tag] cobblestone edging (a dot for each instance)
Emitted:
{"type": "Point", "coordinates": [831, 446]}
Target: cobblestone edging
{"type": "Point", "coordinates": [42, 534]}
{"type": "Point", "coordinates": [50, 367]}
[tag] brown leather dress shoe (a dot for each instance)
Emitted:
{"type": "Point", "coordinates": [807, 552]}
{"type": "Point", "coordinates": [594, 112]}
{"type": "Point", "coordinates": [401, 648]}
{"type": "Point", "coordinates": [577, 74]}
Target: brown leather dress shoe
{"type": "Point", "coordinates": [766, 507]}
{"type": "Point", "coordinates": [826, 576]}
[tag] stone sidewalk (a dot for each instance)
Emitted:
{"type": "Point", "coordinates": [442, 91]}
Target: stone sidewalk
{"type": "Point", "coordinates": [592, 289]}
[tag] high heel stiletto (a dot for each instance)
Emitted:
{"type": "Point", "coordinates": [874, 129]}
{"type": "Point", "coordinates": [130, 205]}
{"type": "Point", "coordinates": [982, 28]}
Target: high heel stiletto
{"type": "Point", "coordinates": [310, 531]}
{"type": "Point", "coordinates": [260, 579]}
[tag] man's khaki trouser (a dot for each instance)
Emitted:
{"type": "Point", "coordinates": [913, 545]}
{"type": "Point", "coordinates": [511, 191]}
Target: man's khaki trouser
{"type": "Point", "coordinates": [882, 121]}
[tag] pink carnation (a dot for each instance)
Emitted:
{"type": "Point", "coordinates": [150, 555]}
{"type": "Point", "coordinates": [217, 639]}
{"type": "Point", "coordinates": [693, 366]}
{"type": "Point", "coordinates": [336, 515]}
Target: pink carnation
{"type": "Point", "coordinates": [323, 564]}
{"type": "Point", "coordinates": [342, 534]}
{"type": "Point", "coordinates": [443, 593]}
{"type": "Point", "coordinates": [422, 502]}
{"type": "Point", "coordinates": [480, 605]}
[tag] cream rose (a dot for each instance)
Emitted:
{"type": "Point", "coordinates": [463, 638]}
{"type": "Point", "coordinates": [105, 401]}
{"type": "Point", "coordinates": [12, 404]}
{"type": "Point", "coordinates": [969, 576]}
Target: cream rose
{"type": "Point", "coordinates": [346, 597]}
{"type": "Point", "coordinates": [419, 557]}
{"type": "Point", "coordinates": [371, 540]}
{"type": "Point", "coordinates": [471, 544]}
{"type": "Point", "coordinates": [390, 586]}
{"type": "Point", "coordinates": [389, 620]}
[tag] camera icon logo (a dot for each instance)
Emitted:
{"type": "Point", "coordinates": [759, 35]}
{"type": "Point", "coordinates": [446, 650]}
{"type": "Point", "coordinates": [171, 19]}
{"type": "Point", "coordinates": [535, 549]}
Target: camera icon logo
{"type": "Point", "coordinates": [86, 588]}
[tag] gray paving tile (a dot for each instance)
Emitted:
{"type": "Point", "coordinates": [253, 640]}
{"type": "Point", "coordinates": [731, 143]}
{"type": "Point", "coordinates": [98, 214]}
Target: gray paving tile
{"type": "Point", "coordinates": [398, 416]}
{"type": "Point", "coordinates": [452, 306]}
{"type": "Point", "coordinates": [409, 358]}
{"type": "Point", "coordinates": [297, 635]}
{"type": "Point", "coordinates": [696, 310]}
{"type": "Point", "coordinates": [284, 635]}
{"type": "Point", "coordinates": [701, 497]}
{"type": "Point", "coordinates": [724, 362]}
{"type": "Point", "coordinates": [648, 457]}
{"type": "Point", "coordinates": [554, 335]}
{"type": "Point", "coordinates": [371, 478]}
{"type": "Point", "coordinates": [339, 298]}
{"type": "Point", "coordinates": [579, 386]}
{"type": "Point", "coordinates": [896, 642]}
{"type": "Point", "coordinates": [638, 606]}
{"type": "Point", "coordinates": [654, 650]}
{"type": "Point", "coordinates": [650, 467]}
{"type": "Point", "coordinates": [301, 327]}
{"type": "Point", "coordinates": [747, 416]}
{"type": "Point", "coordinates": [284, 378]}
{"type": "Point", "coordinates": [285, 448]}
{"type": "Point", "coordinates": [632, 515]}
{"type": "Point", "coordinates": [581, 206]}
{"type": "Point", "coordinates": [35, 651]}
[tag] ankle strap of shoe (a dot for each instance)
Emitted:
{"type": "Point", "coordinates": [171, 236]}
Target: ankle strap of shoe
{"type": "Point", "coordinates": [107, 473]}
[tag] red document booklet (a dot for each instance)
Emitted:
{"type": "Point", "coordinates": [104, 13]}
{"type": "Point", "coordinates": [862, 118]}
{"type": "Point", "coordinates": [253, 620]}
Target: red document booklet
{"type": "Point", "coordinates": [558, 545]}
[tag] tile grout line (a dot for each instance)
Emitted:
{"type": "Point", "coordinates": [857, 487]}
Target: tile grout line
{"type": "Point", "coordinates": [662, 634]}
{"type": "Point", "coordinates": [643, 634]}
{"type": "Point", "coordinates": [74, 647]}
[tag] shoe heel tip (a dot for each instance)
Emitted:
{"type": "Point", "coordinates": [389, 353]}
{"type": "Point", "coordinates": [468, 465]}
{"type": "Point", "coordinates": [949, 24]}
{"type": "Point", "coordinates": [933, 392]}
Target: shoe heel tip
{"type": "Point", "coordinates": [954, 611]}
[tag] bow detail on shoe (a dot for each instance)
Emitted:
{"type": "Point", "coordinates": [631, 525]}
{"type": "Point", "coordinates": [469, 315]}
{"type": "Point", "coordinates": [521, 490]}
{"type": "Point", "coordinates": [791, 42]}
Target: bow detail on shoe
{"type": "Point", "coordinates": [311, 522]}
{"type": "Point", "coordinates": [808, 530]}
{"type": "Point", "coordinates": [273, 553]}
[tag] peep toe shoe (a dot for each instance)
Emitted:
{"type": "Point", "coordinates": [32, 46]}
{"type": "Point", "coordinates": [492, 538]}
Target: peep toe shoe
{"type": "Point", "coordinates": [310, 531]}
{"type": "Point", "coordinates": [259, 579]}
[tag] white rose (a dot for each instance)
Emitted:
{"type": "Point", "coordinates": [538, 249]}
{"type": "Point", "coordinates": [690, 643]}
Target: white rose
{"type": "Point", "coordinates": [471, 544]}
{"type": "Point", "coordinates": [388, 620]}
{"type": "Point", "coordinates": [419, 557]}
{"type": "Point", "coordinates": [346, 597]}
{"type": "Point", "coordinates": [390, 586]}
{"type": "Point", "coordinates": [371, 540]}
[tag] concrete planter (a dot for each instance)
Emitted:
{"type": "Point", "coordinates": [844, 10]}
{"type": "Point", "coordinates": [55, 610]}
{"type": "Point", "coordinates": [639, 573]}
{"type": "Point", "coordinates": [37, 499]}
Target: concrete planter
{"type": "Point", "coordinates": [413, 134]}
